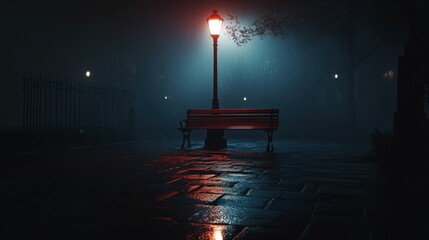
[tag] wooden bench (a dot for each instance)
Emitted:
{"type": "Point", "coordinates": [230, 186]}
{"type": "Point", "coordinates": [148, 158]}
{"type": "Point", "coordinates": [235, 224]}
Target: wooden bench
{"type": "Point", "coordinates": [231, 119]}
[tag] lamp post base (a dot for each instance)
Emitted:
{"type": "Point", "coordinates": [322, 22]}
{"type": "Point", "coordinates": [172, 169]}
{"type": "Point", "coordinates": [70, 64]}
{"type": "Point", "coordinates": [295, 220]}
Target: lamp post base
{"type": "Point", "coordinates": [215, 140]}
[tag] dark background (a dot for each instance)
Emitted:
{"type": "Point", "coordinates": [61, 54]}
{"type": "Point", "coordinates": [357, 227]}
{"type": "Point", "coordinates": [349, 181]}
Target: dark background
{"type": "Point", "coordinates": [163, 48]}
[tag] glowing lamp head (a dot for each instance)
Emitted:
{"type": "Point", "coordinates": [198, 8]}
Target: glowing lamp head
{"type": "Point", "coordinates": [87, 73]}
{"type": "Point", "coordinates": [244, 98]}
{"type": "Point", "coordinates": [215, 23]}
{"type": "Point", "coordinates": [335, 76]}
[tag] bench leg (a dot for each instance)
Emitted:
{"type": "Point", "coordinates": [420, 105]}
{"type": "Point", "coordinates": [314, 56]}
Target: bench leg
{"type": "Point", "coordinates": [183, 142]}
{"type": "Point", "coordinates": [186, 136]}
{"type": "Point", "coordinates": [270, 146]}
{"type": "Point", "coordinates": [189, 139]}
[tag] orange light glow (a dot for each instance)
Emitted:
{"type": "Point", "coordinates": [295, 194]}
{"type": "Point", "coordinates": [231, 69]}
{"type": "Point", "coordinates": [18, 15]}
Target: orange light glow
{"type": "Point", "coordinates": [215, 23]}
{"type": "Point", "coordinates": [217, 233]}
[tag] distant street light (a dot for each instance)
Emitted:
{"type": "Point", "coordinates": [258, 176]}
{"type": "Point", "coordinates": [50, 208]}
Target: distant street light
{"type": "Point", "coordinates": [245, 99]}
{"type": "Point", "coordinates": [389, 74]}
{"type": "Point", "coordinates": [214, 139]}
{"type": "Point", "coordinates": [336, 76]}
{"type": "Point", "coordinates": [88, 74]}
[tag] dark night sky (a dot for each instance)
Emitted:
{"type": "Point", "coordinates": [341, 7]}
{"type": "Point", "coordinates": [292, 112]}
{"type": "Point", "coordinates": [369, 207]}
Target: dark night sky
{"type": "Point", "coordinates": [169, 40]}
{"type": "Point", "coordinates": [57, 35]}
{"type": "Point", "coordinates": [64, 38]}
{"type": "Point", "coordinates": [60, 37]}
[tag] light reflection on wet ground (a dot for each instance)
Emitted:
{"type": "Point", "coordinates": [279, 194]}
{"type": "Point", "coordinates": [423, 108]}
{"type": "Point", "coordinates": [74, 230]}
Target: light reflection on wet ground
{"type": "Point", "coordinates": [238, 193]}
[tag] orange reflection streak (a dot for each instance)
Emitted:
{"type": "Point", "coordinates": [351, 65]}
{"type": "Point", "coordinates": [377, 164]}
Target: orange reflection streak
{"type": "Point", "coordinates": [217, 233]}
{"type": "Point", "coordinates": [200, 172]}
{"type": "Point", "coordinates": [165, 195]}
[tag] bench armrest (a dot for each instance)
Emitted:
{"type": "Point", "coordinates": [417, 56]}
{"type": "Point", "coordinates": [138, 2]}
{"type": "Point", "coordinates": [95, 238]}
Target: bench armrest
{"type": "Point", "coordinates": [183, 121]}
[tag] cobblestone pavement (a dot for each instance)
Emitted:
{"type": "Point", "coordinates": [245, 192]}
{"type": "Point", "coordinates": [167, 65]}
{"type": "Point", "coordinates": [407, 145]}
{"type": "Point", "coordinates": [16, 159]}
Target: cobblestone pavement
{"type": "Point", "coordinates": [303, 191]}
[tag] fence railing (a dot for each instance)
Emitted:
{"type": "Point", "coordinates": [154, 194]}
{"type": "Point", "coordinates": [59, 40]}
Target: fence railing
{"type": "Point", "coordinates": [50, 104]}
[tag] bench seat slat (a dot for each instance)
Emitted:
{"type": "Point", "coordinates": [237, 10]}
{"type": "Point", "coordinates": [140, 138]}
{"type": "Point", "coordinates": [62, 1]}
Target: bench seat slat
{"type": "Point", "coordinates": [233, 118]}
{"type": "Point", "coordinates": [233, 111]}
{"type": "Point", "coordinates": [230, 128]}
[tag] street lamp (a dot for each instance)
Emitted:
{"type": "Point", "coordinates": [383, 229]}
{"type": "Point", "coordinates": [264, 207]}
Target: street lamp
{"type": "Point", "coordinates": [214, 139]}
{"type": "Point", "coordinates": [215, 24]}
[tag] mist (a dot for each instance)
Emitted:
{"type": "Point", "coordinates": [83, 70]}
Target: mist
{"type": "Point", "coordinates": [165, 53]}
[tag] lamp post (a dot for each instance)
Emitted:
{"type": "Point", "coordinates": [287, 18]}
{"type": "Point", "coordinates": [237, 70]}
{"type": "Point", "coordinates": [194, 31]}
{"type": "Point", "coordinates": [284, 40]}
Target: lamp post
{"type": "Point", "coordinates": [215, 24]}
{"type": "Point", "coordinates": [214, 139]}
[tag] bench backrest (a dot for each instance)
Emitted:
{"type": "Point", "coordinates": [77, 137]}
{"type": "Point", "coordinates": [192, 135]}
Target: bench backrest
{"type": "Point", "coordinates": [233, 118]}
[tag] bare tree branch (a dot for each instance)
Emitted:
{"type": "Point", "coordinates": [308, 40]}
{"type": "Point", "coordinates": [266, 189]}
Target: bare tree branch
{"type": "Point", "coordinates": [263, 26]}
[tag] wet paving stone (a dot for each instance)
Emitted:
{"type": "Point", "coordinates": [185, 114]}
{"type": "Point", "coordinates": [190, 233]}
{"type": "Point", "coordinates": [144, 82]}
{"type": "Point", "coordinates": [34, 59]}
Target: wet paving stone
{"type": "Point", "coordinates": [259, 183]}
{"type": "Point", "coordinates": [304, 196]}
{"type": "Point", "coordinates": [243, 201]}
{"type": "Point", "coordinates": [261, 233]}
{"type": "Point", "coordinates": [264, 193]}
{"type": "Point", "coordinates": [292, 221]}
{"type": "Point", "coordinates": [190, 231]}
{"type": "Point", "coordinates": [304, 190]}
{"type": "Point", "coordinates": [235, 216]}
{"type": "Point", "coordinates": [310, 187]}
{"type": "Point", "coordinates": [335, 209]}
{"type": "Point", "coordinates": [198, 176]}
{"type": "Point", "coordinates": [192, 199]}
{"type": "Point", "coordinates": [291, 206]}
{"type": "Point", "coordinates": [206, 182]}
{"type": "Point", "coordinates": [235, 177]}
{"type": "Point", "coordinates": [330, 227]}
{"type": "Point", "coordinates": [228, 168]}
{"type": "Point", "coordinates": [222, 190]}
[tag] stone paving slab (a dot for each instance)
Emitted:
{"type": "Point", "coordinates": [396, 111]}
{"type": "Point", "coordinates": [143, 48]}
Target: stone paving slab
{"type": "Point", "coordinates": [261, 233]}
{"type": "Point", "coordinates": [249, 202]}
{"type": "Point", "coordinates": [304, 190]}
{"type": "Point", "coordinates": [334, 227]}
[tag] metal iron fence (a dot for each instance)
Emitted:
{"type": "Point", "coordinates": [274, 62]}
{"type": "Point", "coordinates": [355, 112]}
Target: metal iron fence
{"type": "Point", "coordinates": [50, 104]}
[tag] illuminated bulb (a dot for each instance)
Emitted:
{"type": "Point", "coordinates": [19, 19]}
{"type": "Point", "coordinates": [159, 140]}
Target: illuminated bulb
{"type": "Point", "coordinates": [336, 76]}
{"type": "Point", "coordinates": [215, 26]}
{"type": "Point", "coordinates": [88, 73]}
{"type": "Point", "coordinates": [215, 23]}
{"type": "Point", "coordinates": [166, 97]}
{"type": "Point", "coordinates": [245, 99]}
